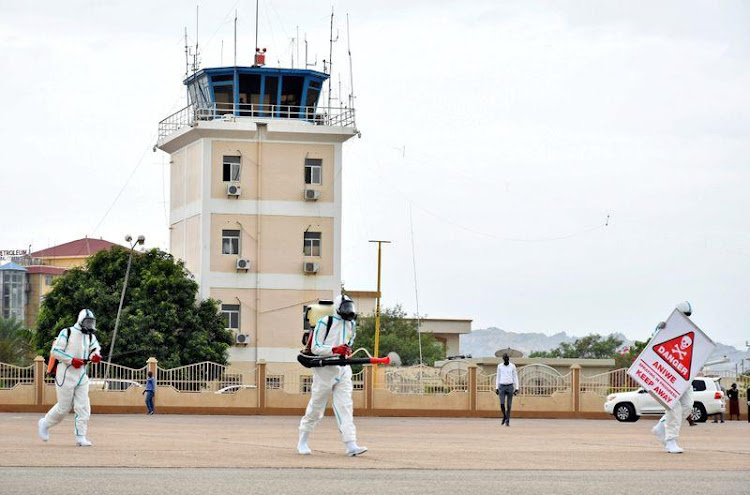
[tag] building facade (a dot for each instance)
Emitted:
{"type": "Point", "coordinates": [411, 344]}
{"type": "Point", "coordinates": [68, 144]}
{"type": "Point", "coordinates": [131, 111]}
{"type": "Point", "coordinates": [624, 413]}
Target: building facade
{"type": "Point", "coordinates": [255, 200]}
{"type": "Point", "coordinates": [12, 291]}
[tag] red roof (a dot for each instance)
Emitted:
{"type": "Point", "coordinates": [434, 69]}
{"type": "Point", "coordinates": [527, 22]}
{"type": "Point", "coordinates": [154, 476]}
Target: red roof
{"type": "Point", "coordinates": [81, 247]}
{"type": "Point", "coordinates": [45, 270]}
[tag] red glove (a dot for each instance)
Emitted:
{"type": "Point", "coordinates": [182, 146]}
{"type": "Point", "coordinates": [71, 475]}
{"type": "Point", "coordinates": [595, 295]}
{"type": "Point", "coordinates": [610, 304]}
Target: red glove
{"type": "Point", "coordinates": [77, 363]}
{"type": "Point", "coordinates": [342, 350]}
{"type": "Point", "coordinates": [96, 358]}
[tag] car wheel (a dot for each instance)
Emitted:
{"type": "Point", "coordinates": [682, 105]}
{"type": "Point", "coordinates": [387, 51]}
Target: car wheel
{"type": "Point", "coordinates": [699, 413]}
{"type": "Point", "coordinates": [625, 413]}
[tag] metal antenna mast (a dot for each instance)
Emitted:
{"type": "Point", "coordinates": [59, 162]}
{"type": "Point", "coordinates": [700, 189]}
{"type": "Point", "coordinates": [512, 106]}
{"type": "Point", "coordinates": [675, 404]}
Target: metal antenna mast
{"type": "Point", "coordinates": [235, 38]}
{"type": "Point", "coordinates": [187, 69]}
{"type": "Point", "coordinates": [351, 71]}
{"type": "Point", "coordinates": [256, 24]}
{"type": "Point", "coordinates": [330, 59]}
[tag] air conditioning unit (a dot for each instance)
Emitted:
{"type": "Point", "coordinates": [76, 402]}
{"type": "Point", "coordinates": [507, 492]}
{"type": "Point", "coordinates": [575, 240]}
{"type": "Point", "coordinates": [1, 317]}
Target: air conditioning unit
{"type": "Point", "coordinates": [310, 267]}
{"type": "Point", "coordinates": [234, 190]}
{"type": "Point", "coordinates": [311, 194]}
{"type": "Point", "coordinates": [243, 264]}
{"type": "Point", "coordinates": [242, 339]}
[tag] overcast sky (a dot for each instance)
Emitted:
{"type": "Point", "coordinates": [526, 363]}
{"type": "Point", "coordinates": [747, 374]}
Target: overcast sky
{"type": "Point", "coordinates": [496, 138]}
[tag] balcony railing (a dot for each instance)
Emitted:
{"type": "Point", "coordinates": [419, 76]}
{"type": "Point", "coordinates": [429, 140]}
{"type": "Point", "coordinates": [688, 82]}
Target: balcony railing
{"type": "Point", "coordinates": [341, 117]}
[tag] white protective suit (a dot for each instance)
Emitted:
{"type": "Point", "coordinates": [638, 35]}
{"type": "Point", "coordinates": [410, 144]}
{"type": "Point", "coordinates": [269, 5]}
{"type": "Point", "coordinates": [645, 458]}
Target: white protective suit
{"type": "Point", "coordinates": [674, 417]}
{"type": "Point", "coordinates": [72, 384]}
{"type": "Point", "coordinates": [332, 380]}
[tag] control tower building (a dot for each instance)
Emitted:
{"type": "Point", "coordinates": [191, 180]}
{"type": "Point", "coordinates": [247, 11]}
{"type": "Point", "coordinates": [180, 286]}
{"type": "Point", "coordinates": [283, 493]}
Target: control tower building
{"type": "Point", "coordinates": [255, 199]}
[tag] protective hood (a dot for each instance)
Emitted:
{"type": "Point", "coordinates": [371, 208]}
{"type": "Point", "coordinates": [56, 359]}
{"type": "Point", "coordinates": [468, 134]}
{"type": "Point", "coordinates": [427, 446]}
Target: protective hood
{"type": "Point", "coordinates": [345, 307]}
{"type": "Point", "coordinates": [86, 321]}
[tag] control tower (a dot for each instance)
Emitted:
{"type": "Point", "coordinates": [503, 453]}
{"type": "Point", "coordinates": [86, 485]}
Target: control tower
{"type": "Point", "coordinates": [255, 199]}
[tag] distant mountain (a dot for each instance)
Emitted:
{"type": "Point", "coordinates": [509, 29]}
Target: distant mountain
{"type": "Point", "coordinates": [484, 343]}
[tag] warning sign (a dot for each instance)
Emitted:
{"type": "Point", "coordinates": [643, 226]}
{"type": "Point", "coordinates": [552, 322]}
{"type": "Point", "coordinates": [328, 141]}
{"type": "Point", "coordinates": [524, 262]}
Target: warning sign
{"type": "Point", "coordinates": [678, 353]}
{"type": "Point", "coordinates": [673, 357]}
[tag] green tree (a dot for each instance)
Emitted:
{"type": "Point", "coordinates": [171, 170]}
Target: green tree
{"type": "Point", "coordinates": [161, 316]}
{"type": "Point", "coordinates": [16, 346]}
{"type": "Point", "coordinates": [399, 335]}
{"type": "Point", "coordinates": [625, 359]}
{"type": "Point", "coordinates": [589, 347]}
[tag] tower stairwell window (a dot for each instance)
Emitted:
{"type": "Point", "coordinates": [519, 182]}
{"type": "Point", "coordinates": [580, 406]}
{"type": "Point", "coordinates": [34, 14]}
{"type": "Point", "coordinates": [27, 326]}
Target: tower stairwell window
{"type": "Point", "coordinates": [312, 244]}
{"type": "Point", "coordinates": [231, 314]}
{"type": "Point", "coordinates": [230, 242]}
{"type": "Point", "coordinates": [313, 171]}
{"type": "Point", "coordinates": [231, 168]}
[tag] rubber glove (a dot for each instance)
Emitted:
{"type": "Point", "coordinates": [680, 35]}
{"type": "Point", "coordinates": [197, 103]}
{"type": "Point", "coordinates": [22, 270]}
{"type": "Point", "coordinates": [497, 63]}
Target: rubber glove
{"type": "Point", "coordinates": [342, 350]}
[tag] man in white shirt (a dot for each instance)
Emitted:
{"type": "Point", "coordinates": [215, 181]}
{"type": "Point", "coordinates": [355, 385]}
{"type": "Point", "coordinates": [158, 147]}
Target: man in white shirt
{"type": "Point", "coordinates": [506, 386]}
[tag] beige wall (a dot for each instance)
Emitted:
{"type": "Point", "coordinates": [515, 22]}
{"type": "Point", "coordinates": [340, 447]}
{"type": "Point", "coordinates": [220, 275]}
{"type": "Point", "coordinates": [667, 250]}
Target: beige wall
{"type": "Point", "coordinates": [185, 175]}
{"type": "Point", "coordinates": [283, 169]}
{"type": "Point", "coordinates": [281, 249]}
{"type": "Point", "coordinates": [193, 246]}
{"type": "Point", "coordinates": [280, 314]}
{"type": "Point", "coordinates": [177, 179]}
{"type": "Point", "coordinates": [37, 289]}
{"type": "Point", "coordinates": [177, 240]}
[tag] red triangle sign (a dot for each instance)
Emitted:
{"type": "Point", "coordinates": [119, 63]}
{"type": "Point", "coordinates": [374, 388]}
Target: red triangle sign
{"type": "Point", "coordinates": [678, 353]}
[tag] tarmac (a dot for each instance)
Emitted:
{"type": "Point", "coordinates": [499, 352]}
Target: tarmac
{"type": "Point", "coordinates": [256, 454]}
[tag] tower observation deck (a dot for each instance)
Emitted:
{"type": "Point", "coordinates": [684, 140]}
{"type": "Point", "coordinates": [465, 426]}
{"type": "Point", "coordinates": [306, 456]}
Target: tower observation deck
{"type": "Point", "coordinates": [255, 94]}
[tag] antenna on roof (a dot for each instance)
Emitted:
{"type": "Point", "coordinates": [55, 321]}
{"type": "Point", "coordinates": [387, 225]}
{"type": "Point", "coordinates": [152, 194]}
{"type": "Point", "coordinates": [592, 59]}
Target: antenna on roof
{"type": "Point", "coordinates": [235, 38]}
{"type": "Point", "coordinates": [330, 58]}
{"type": "Point", "coordinates": [351, 71]}
{"type": "Point", "coordinates": [316, 56]}
{"type": "Point", "coordinates": [256, 25]}
{"type": "Point", "coordinates": [187, 69]}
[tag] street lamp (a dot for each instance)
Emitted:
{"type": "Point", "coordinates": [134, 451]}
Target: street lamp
{"type": "Point", "coordinates": [128, 238]}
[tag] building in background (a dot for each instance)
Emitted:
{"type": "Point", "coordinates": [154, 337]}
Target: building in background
{"type": "Point", "coordinates": [255, 199]}
{"type": "Point", "coordinates": [446, 330]}
{"type": "Point", "coordinates": [41, 268]}
{"type": "Point", "coordinates": [12, 291]}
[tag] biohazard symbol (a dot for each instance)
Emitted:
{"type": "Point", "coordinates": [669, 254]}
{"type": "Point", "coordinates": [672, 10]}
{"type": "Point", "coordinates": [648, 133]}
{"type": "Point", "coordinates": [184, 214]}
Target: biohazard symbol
{"type": "Point", "coordinates": [678, 352]}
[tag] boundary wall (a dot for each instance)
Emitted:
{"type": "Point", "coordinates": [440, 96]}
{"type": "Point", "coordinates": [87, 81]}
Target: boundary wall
{"type": "Point", "coordinates": [284, 389]}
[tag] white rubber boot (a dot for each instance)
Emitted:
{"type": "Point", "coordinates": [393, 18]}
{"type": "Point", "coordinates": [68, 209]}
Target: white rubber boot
{"type": "Point", "coordinates": [353, 449]}
{"type": "Point", "coordinates": [302, 447]}
{"type": "Point", "coordinates": [43, 430]}
{"type": "Point", "coordinates": [660, 431]}
{"type": "Point", "coordinates": [82, 442]}
{"type": "Point", "coordinates": [673, 448]}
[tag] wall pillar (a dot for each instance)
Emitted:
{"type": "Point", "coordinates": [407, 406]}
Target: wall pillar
{"type": "Point", "coordinates": [261, 384]}
{"type": "Point", "coordinates": [152, 366]}
{"type": "Point", "coordinates": [39, 380]}
{"type": "Point", "coordinates": [575, 384]}
{"type": "Point", "coordinates": [472, 387]}
{"type": "Point", "coordinates": [368, 377]}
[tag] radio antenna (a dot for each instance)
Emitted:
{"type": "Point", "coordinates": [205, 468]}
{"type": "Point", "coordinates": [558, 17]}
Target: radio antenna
{"type": "Point", "coordinates": [351, 71]}
{"type": "Point", "coordinates": [256, 24]}
{"type": "Point", "coordinates": [330, 58]}
{"type": "Point", "coordinates": [316, 56]}
{"type": "Point", "coordinates": [187, 69]}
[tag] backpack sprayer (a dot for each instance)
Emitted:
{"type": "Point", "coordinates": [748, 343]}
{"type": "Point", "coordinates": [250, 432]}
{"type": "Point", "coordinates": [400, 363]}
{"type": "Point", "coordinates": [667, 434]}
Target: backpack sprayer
{"type": "Point", "coordinates": [324, 308]}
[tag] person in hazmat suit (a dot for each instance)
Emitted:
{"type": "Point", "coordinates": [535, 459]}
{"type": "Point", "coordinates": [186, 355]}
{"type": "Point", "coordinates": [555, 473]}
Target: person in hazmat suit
{"type": "Point", "coordinates": [667, 430]}
{"type": "Point", "coordinates": [333, 381]}
{"type": "Point", "coordinates": [73, 349]}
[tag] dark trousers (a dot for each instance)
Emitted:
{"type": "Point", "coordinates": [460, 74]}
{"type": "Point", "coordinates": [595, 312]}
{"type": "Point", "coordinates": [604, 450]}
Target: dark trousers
{"type": "Point", "coordinates": [150, 401]}
{"type": "Point", "coordinates": [506, 397]}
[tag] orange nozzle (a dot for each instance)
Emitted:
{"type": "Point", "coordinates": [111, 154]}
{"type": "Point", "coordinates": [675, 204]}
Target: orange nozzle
{"type": "Point", "coordinates": [383, 360]}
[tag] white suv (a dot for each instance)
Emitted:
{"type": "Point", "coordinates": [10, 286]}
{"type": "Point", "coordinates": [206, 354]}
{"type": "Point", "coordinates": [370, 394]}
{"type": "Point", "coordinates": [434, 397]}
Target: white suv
{"type": "Point", "coordinates": [629, 406]}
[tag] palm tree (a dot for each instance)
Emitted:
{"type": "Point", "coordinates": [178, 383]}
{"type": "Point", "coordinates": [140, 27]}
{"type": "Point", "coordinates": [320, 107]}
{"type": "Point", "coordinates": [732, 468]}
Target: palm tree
{"type": "Point", "coordinates": [15, 342]}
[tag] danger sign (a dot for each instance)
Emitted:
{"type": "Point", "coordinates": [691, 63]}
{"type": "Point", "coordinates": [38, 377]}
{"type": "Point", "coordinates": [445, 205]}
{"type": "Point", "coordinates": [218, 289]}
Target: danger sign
{"type": "Point", "coordinates": [672, 358]}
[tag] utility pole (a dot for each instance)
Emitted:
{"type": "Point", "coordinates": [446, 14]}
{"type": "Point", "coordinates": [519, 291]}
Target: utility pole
{"type": "Point", "coordinates": [377, 306]}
